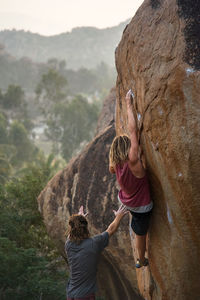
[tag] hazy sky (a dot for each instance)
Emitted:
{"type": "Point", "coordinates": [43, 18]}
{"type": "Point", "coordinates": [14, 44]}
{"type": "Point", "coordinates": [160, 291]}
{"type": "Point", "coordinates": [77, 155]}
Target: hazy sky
{"type": "Point", "coordinates": [50, 17]}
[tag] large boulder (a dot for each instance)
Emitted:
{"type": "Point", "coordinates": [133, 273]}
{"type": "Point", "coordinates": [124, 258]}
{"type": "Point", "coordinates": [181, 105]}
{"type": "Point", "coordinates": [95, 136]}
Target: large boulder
{"type": "Point", "coordinates": [159, 58]}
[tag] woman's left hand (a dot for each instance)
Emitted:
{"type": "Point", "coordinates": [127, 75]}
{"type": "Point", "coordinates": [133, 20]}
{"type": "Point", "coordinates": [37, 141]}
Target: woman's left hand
{"type": "Point", "coordinates": [129, 96]}
{"type": "Point", "coordinates": [81, 211]}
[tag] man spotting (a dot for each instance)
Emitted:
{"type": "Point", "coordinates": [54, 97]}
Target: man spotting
{"type": "Point", "coordinates": [83, 253]}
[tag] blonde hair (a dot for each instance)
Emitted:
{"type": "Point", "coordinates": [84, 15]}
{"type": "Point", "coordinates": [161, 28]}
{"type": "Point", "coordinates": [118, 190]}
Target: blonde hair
{"type": "Point", "coordinates": [119, 149]}
{"type": "Point", "coordinates": [78, 228]}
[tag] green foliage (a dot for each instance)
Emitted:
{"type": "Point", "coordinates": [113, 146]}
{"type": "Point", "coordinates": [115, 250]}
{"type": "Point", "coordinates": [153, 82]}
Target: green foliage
{"type": "Point", "coordinates": [53, 85]}
{"type": "Point", "coordinates": [30, 268]}
{"type": "Point", "coordinates": [14, 97]}
{"type": "Point", "coordinates": [73, 123]}
{"type": "Point", "coordinates": [26, 275]}
{"type": "Point", "coordinates": [69, 122]}
{"type": "Point", "coordinates": [3, 129]}
{"type": "Point", "coordinates": [82, 80]}
{"type": "Point", "coordinates": [1, 97]}
{"type": "Point", "coordinates": [14, 106]}
{"type": "Point", "coordinates": [51, 89]}
{"type": "Point", "coordinates": [18, 134]}
{"type": "Point", "coordinates": [5, 155]}
{"type": "Point", "coordinates": [79, 121]}
{"type": "Point", "coordinates": [5, 168]}
{"type": "Point", "coordinates": [58, 65]}
{"type": "Point", "coordinates": [21, 213]}
{"type": "Point", "coordinates": [106, 76]}
{"type": "Point", "coordinates": [15, 147]}
{"type": "Point", "coordinates": [19, 205]}
{"type": "Point", "coordinates": [25, 150]}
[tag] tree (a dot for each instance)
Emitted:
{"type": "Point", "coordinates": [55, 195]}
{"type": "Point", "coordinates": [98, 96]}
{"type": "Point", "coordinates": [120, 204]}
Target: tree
{"type": "Point", "coordinates": [7, 152]}
{"type": "Point", "coordinates": [26, 275]}
{"type": "Point", "coordinates": [15, 147]}
{"type": "Point", "coordinates": [14, 97]}
{"type": "Point", "coordinates": [3, 129]}
{"type": "Point", "coordinates": [58, 65]}
{"type": "Point", "coordinates": [14, 105]}
{"type": "Point", "coordinates": [82, 81]}
{"type": "Point", "coordinates": [25, 149]}
{"type": "Point", "coordinates": [51, 89]}
{"type": "Point", "coordinates": [77, 121]}
{"type": "Point", "coordinates": [30, 267]}
{"type": "Point", "coordinates": [106, 76]}
{"type": "Point", "coordinates": [1, 97]}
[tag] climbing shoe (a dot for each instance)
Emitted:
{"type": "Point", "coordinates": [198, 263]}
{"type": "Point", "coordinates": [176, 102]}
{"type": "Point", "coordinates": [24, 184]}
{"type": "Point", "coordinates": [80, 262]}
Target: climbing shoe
{"type": "Point", "coordinates": [139, 264]}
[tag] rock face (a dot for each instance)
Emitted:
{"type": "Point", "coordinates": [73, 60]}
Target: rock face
{"type": "Point", "coordinates": [87, 181]}
{"type": "Point", "coordinates": [159, 58]}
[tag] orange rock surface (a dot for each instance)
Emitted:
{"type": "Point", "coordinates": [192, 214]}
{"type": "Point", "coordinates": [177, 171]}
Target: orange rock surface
{"type": "Point", "coordinates": [157, 60]}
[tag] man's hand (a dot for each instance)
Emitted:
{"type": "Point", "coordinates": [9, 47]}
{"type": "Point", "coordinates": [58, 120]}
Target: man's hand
{"type": "Point", "coordinates": [122, 210]}
{"type": "Point", "coordinates": [81, 211]}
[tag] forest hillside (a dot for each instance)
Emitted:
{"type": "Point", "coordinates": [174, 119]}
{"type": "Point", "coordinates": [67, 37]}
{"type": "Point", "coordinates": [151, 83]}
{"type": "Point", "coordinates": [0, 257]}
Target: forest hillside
{"type": "Point", "coordinates": [82, 47]}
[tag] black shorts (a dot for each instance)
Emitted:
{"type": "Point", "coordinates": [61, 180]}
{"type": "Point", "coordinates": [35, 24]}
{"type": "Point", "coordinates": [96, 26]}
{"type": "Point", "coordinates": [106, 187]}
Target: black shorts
{"type": "Point", "coordinates": [140, 222]}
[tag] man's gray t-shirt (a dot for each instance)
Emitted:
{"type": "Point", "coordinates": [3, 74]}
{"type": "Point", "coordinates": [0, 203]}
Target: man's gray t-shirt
{"type": "Point", "coordinates": [83, 259]}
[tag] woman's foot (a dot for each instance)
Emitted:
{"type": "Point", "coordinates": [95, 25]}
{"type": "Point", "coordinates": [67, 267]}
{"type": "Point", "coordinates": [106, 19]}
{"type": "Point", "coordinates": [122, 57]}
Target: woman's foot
{"type": "Point", "coordinates": [140, 264]}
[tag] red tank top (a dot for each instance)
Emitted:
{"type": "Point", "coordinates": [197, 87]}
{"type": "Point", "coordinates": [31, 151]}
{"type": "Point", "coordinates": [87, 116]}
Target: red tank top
{"type": "Point", "coordinates": [134, 191]}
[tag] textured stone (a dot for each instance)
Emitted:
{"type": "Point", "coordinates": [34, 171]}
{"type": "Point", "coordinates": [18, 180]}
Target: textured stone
{"type": "Point", "coordinates": [158, 57]}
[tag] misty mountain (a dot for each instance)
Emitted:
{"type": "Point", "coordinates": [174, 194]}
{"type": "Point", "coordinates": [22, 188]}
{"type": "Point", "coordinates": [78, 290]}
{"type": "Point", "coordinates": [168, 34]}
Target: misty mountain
{"type": "Point", "coordinates": [82, 47]}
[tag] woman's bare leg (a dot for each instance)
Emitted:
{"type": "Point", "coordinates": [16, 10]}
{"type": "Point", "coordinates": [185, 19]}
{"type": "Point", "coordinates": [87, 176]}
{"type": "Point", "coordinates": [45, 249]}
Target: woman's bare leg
{"type": "Point", "coordinates": [141, 246]}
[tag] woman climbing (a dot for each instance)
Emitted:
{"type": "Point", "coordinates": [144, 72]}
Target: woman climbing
{"type": "Point", "coordinates": [125, 162]}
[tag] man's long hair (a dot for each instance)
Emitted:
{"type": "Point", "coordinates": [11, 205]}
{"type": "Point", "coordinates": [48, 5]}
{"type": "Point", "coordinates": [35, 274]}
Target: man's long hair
{"type": "Point", "coordinates": [78, 228]}
{"type": "Point", "coordinates": [119, 149]}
